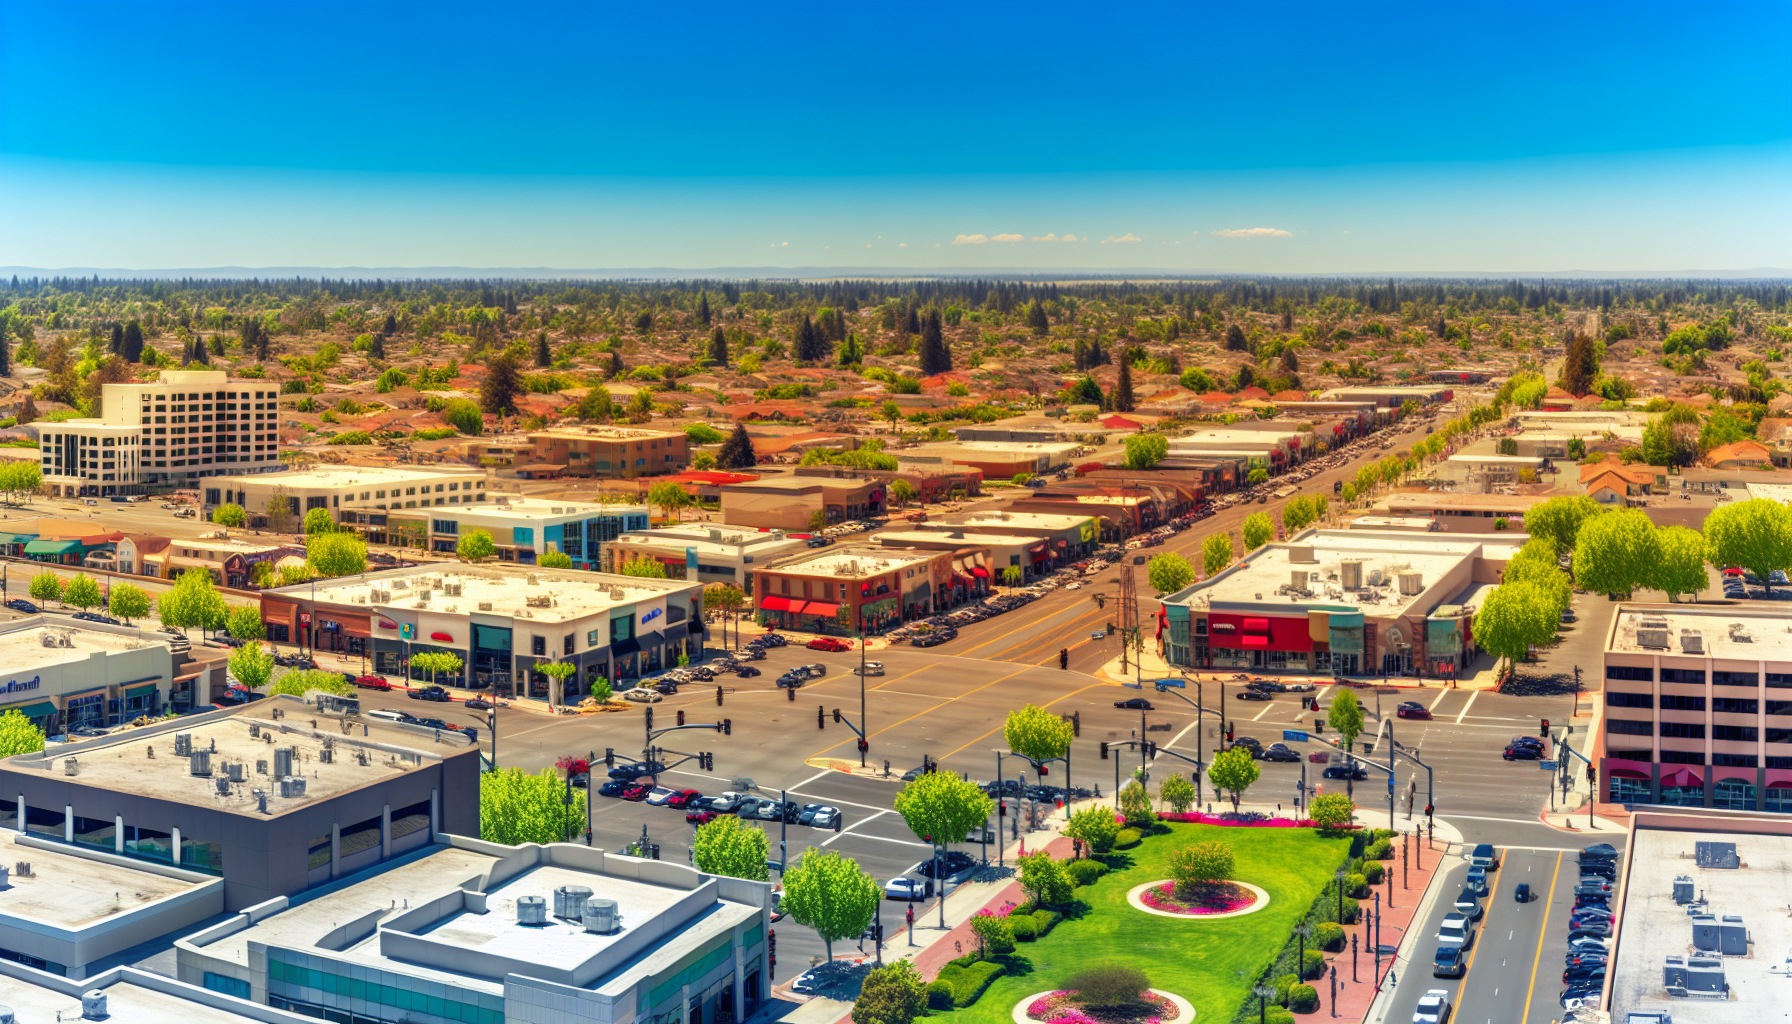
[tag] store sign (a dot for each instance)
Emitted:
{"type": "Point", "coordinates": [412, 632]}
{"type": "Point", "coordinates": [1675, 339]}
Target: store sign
{"type": "Point", "coordinates": [650, 616]}
{"type": "Point", "coordinates": [304, 618]}
{"type": "Point", "coordinates": [84, 701]}
{"type": "Point", "coordinates": [387, 624]}
{"type": "Point", "coordinates": [408, 631]}
{"type": "Point", "coordinates": [14, 686]}
{"type": "Point", "coordinates": [444, 637]}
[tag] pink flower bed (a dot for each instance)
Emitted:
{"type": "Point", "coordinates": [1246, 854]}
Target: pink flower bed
{"type": "Point", "coordinates": [1244, 821]}
{"type": "Point", "coordinates": [1222, 898]}
{"type": "Point", "coordinates": [1062, 1008]}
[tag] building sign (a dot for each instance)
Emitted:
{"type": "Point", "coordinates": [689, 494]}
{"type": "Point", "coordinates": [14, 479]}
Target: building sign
{"type": "Point", "coordinates": [690, 559]}
{"type": "Point", "coordinates": [387, 624]}
{"type": "Point", "coordinates": [329, 626]}
{"type": "Point", "coordinates": [650, 616]}
{"type": "Point", "coordinates": [446, 638]}
{"type": "Point", "coordinates": [14, 686]}
{"type": "Point", "coordinates": [408, 631]}
{"type": "Point", "coordinates": [304, 618]}
{"type": "Point", "coordinates": [85, 700]}
{"type": "Point", "coordinates": [1086, 530]}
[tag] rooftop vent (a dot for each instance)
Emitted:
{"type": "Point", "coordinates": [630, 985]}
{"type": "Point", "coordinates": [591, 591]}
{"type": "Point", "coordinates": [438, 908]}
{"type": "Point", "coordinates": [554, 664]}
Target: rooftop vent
{"type": "Point", "coordinates": [1739, 634]}
{"type": "Point", "coordinates": [1683, 889]}
{"type": "Point", "coordinates": [1692, 642]}
{"type": "Point", "coordinates": [255, 730]}
{"type": "Point", "coordinates": [569, 901]}
{"type": "Point", "coordinates": [292, 787]}
{"type": "Point", "coordinates": [531, 911]}
{"type": "Point", "coordinates": [538, 601]}
{"type": "Point", "coordinates": [1350, 573]}
{"type": "Point", "coordinates": [283, 761]}
{"type": "Point", "coordinates": [485, 606]}
{"type": "Point", "coordinates": [261, 800]}
{"type": "Point", "coordinates": [602, 916]}
{"type": "Point", "coordinates": [1375, 577]}
{"type": "Point", "coordinates": [1716, 855]}
{"type": "Point", "coordinates": [1704, 932]}
{"type": "Point", "coordinates": [199, 763]}
{"type": "Point", "coordinates": [71, 766]}
{"type": "Point", "coordinates": [6, 1016]}
{"type": "Point", "coordinates": [451, 589]}
{"type": "Point", "coordinates": [1411, 583]}
{"type": "Point", "coordinates": [183, 744]}
{"type": "Point", "coordinates": [1301, 554]}
{"type": "Point", "coordinates": [223, 785]}
{"type": "Point", "coordinates": [1652, 636]}
{"type": "Point", "coordinates": [93, 1005]}
{"type": "Point", "coordinates": [382, 596]}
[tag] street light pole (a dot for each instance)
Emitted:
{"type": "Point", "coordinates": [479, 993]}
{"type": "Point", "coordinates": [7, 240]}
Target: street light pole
{"type": "Point", "coordinates": [864, 743]}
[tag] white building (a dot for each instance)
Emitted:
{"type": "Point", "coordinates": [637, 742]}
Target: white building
{"type": "Point", "coordinates": [338, 487]}
{"type": "Point", "coordinates": [62, 678]}
{"type": "Point", "coordinates": [522, 529]}
{"type": "Point", "coordinates": [184, 426]}
{"type": "Point", "coordinates": [723, 554]}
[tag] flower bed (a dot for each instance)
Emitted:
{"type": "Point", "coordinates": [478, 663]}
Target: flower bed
{"type": "Point", "coordinates": [1217, 898]}
{"type": "Point", "coordinates": [1247, 819]}
{"type": "Point", "coordinates": [1062, 1008]}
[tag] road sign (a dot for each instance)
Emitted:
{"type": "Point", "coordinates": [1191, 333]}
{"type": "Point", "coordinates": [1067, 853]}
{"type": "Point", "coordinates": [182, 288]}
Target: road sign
{"type": "Point", "coordinates": [1548, 766]}
{"type": "Point", "coordinates": [1294, 736]}
{"type": "Point", "coordinates": [1098, 635]}
{"type": "Point", "coordinates": [1177, 683]}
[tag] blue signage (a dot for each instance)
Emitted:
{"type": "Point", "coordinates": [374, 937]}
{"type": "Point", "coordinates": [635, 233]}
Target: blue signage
{"type": "Point", "coordinates": [14, 686]}
{"type": "Point", "coordinates": [1548, 766]}
{"type": "Point", "coordinates": [650, 616]}
{"type": "Point", "coordinates": [407, 630]}
{"type": "Point", "coordinates": [1294, 736]}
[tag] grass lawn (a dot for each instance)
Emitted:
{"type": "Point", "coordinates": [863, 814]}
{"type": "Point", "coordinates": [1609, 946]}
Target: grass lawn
{"type": "Point", "coordinates": [1212, 964]}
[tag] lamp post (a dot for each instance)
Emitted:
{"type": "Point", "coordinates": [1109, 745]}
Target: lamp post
{"type": "Point", "coordinates": [1337, 875]}
{"type": "Point", "coordinates": [1303, 931]}
{"type": "Point", "coordinates": [1262, 992]}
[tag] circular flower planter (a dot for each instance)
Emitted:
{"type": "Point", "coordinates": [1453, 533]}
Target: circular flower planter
{"type": "Point", "coordinates": [1182, 1012]}
{"type": "Point", "coordinates": [1154, 898]}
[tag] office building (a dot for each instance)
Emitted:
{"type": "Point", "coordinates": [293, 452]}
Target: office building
{"type": "Point", "coordinates": [522, 529]}
{"type": "Point", "coordinates": [338, 487]}
{"type": "Point", "coordinates": [1462, 513]}
{"type": "Point", "coordinates": [849, 589]}
{"type": "Point", "coordinates": [720, 554]}
{"type": "Point", "coordinates": [607, 452]}
{"type": "Point", "coordinates": [187, 425]}
{"type": "Point", "coordinates": [796, 504]}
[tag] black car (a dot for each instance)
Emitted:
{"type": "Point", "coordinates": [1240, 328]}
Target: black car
{"type": "Point", "coordinates": [1345, 771]}
{"type": "Point", "coordinates": [1267, 685]}
{"type": "Point", "coordinates": [432, 693]}
{"type": "Point", "coordinates": [478, 704]}
{"type": "Point", "coordinates": [1254, 695]}
{"type": "Point", "coordinates": [665, 686]}
{"type": "Point", "coordinates": [96, 617]}
{"type": "Point", "coordinates": [19, 604]}
{"type": "Point", "coordinates": [929, 640]}
{"type": "Point", "coordinates": [1135, 704]}
{"type": "Point", "coordinates": [791, 680]}
{"type": "Point", "coordinates": [636, 769]}
{"type": "Point", "coordinates": [1279, 752]}
{"type": "Point", "coordinates": [746, 671]}
{"type": "Point", "coordinates": [951, 863]}
{"type": "Point", "coordinates": [614, 787]}
{"type": "Point", "coordinates": [1522, 754]}
{"type": "Point", "coordinates": [769, 640]}
{"type": "Point", "coordinates": [1525, 741]}
{"type": "Point", "coordinates": [1005, 787]}
{"type": "Point", "coordinates": [1447, 962]}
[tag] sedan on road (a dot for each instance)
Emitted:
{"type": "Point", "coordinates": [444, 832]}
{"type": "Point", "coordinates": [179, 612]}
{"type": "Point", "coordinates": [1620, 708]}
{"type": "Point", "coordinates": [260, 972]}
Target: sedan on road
{"type": "Point", "coordinates": [871, 668]}
{"type": "Point", "coordinates": [636, 769]}
{"type": "Point", "coordinates": [1412, 709]}
{"type": "Point", "coordinates": [1522, 754]}
{"type": "Point", "coordinates": [828, 643]}
{"type": "Point", "coordinates": [1279, 752]}
{"type": "Point", "coordinates": [614, 787]}
{"type": "Point", "coordinates": [1433, 1008]}
{"type": "Point", "coordinates": [929, 640]}
{"type": "Point", "coordinates": [701, 817]}
{"type": "Point", "coordinates": [642, 695]}
{"type": "Point", "coordinates": [1135, 704]}
{"type": "Point", "coordinates": [388, 715]}
{"type": "Point", "coordinates": [660, 796]}
{"type": "Point", "coordinates": [478, 704]}
{"type": "Point", "coordinates": [637, 792]}
{"type": "Point", "coordinates": [1345, 771]}
{"type": "Point", "coordinates": [908, 889]}
{"type": "Point", "coordinates": [373, 683]}
{"type": "Point", "coordinates": [1456, 930]}
{"type": "Point", "coordinates": [746, 671]}
{"type": "Point", "coordinates": [1254, 695]}
{"type": "Point", "coordinates": [827, 817]}
{"type": "Point", "coordinates": [1447, 962]}
{"type": "Point", "coordinates": [683, 798]}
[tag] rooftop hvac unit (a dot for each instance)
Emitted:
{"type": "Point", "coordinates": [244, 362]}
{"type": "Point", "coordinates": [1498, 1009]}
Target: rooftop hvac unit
{"type": "Point", "coordinates": [531, 911]}
{"type": "Point", "coordinates": [1673, 972]}
{"type": "Point", "coordinates": [1716, 855]}
{"type": "Point", "coordinates": [1702, 977]}
{"type": "Point", "coordinates": [1297, 578]}
{"type": "Point", "coordinates": [1375, 577]}
{"type": "Point", "coordinates": [1692, 642]}
{"type": "Point", "coordinates": [223, 785]}
{"type": "Point", "coordinates": [1683, 889]}
{"type": "Point", "coordinates": [1732, 936]}
{"type": "Point", "coordinates": [1350, 573]}
{"type": "Point", "coordinates": [283, 760]}
{"type": "Point", "coordinates": [199, 762]}
{"type": "Point", "coordinates": [602, 916]}
{"type": "Point", "coordinates": [1704, 932]}
{"type": "Point", "coordinates": [537, 601]}
{"type": "Point", "coordinates": [254, 730]}
{"type": "Point", "coordinates": [485, 606]}
{"type": "Point", "coordinates": [1652, 636]}
{"type": "Point", "coordinates": [1412, 583]}
{"type": "Point", "coordinates": [292, 787]}
{"type": "Point", "coordinates": [569, 901]}
{"type": "Point", "coordinates": [236, 772]}
{"type": "Point", "coordinates": [451, 589]}
{"type": "Point", "coordinates": [715, 535]}
{"type": "Point", "coordinates": [183, 744]}
{"type": "Point", "coordinates": [382, 596]}
{"type": "Point", "coordinates": [93, 1005]}
{"type": "Point", "coordinates": [71, 766]}
{"type": "Point", "coordinates": [1301, 554]}
{"type": "Point", "coordinates": [326, 756]}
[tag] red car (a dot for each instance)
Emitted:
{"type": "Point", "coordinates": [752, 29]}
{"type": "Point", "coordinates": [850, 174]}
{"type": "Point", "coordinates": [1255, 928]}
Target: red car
{"type": "Point", "coordinates": [640, 792]}
{"type": "Point", "coordinates": [373, 683]}
{"type": "Point", "coordinates": [682, 798]}
{"type": "Point", "coordinates": [700, 817]}
{"type": "Point", "coordinates": [828, 643]}
{"type": "Point", "coordinates": [1412, 709]}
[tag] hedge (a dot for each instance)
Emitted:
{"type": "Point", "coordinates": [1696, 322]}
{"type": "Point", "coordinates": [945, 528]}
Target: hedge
{"type": "Point", "coordinates": [1127, 839]}
{"type": "Point", "coordinates": [1085, 872]}
{"type": "Point", "coordinates": [1381, 849]}
{"type": "Point", "coordinates": [1313, 966]}
{"type": "Point", "coordinates": [1045, 920]}
{"type": "Point", "coordinates": [966, 983]}
{"type": "Point", "coordinates": [939, 995]}
{"type": "Point", "coordinates": [1356, 887]}
{"type": "Point", "coordinates": [1277, 1015]}
{"type": "Point", "coordinates": [1329, 937]}
{"type": "Point", "coordinates": [1023, 928]}
{"type": "Point", "coordinates": [1372, 872]}
{"type": "Point", "coordinates": [1303, 999]}
{"type": "Point", "coordinates": [1382, 833]}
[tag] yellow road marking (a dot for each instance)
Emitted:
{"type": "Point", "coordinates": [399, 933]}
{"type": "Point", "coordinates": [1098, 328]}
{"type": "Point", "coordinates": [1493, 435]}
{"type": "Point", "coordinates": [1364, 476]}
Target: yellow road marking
{"type": "Point", "coordinates": [992, 732]}
{"type": "Point", "coordinates": [1542, 930]}
{"type": "Point", "coordinates": [1493, 888]}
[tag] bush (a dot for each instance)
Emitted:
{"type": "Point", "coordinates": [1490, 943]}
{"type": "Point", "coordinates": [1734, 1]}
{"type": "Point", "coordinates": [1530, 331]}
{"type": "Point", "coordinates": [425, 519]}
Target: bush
{"type": "Point", "coordinates": [1382, 833]}
{"type": "Point", "coordinates": [1313, 965]}
{"type": "Point", "coordinates": [1282, 984]}
{"type": "Point", "coordinates": [1372, 872]}
{"type": "Point", "coordinates": [964, 982]}
{"type": "Point", "coordinates": [1023, 929]}
{"type": "Point", "coordinates": [1127, 839]}
{"type": "Point", "coordinates": [1381, 849]}
{"type": "Point", "coordinates": [1085, 872]}
{"type": "Point", "coordinates": [939, 995]}
{"type": "Point", "coordinates": [1109, 985]}
{"type": "Point", "coordinates": [1277, 1015]}
{"type": "Point", "coordinates": [1356, 886]}
{"type": "Point", "coordinates": [1329, 937]}
{"type": "Point", "coordinates": [1303, 999]}
{"type": "Point", "coordinates": [1044, 921]}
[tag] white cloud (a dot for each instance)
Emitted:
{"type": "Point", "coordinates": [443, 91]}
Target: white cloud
{"type": "Point", "coordinates": [1046, 238]}
{"type": "Point", "coordinates": [1128, 237]}
{"type": "Point", "coordinates": [1008, 238]}
{"type": "Point", "coordinates": [786, 243]}
{"type": "Point", "coordinates": [1254, 233]}
{"type": "Point", "coordinates": [970, 240]}
{"type": "Point", "coordinates": [1072, 238]}
{"type": "Point", "coordinates": [901, 245]}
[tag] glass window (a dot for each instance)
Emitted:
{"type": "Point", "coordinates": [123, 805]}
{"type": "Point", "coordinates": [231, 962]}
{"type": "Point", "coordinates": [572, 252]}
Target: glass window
{"type": "Point", "coordinates": [228, 985]}
{"type": "Point", "coordinates": [1685, 730]}
{"type": "Point", "coordinates": [317, 854]}
{"type": "Point", "coordinates": [1734, 760]}
{"type": "Point", "coordinates": [1779, 798]}
{"type": "Point", "coordinates": [1735, 705]}
{"type": "Point", "coordinates": [1682, 757]}
{"type": "Point", "coordinates": [1683, 675]}
{"type": "Point", "coordinates": [1641, 673]}
{"type": "Point", "coordinates": [1744, 733]}
{"type": "Point", "coordinates": [1683, 796]}
{"type": "Point", "coordinates": [1619, 699]}
{"type": "Point", "coordinates": [1631, 791]}
{"type": "Point", "coordinates": [148, 843]}
{"type": "Point", "coordinates": [1624, 727]}
{"type": "Point", "coordinates": [44, 822]}
{"type": "Point", "coordinates": [198, 855]}
{"type": "Point", "coordinates": [360, 837]}
{"type": "Point", "coordinates": [406, 820]}
{"type": "Point", "coordinates": [1735, 679]}
{"type": "Point", "coordinates": [99, 833]}
{"type": "Point", "coordinates": [1676, 702]}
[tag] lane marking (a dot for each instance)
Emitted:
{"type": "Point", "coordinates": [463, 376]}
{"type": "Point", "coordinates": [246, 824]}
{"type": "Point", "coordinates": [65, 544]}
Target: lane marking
{"type": "Point", "coordinates": [1000, 728]}
{"type": "Point", "coordinates": [1493, 886]}
{"type": "Point", "coordinates": [1510, 821]}
{"type": "Point", "coordinates": [1471, 703]}
{"type": "Point", "coordinates": [936, 707]}
{"type": "Point", "coordinates": [848, 830]}
{"type": "Point", "coordinates": [1267, 708]}
{"type": "Point", "coordinates": [1542, 931]}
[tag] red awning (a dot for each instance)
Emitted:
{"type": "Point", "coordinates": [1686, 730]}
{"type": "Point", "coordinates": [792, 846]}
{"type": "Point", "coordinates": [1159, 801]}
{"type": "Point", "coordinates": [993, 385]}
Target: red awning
{"type": "Point", "coordinates": [1682, 777]}
{"type": "Point", "coordinates": [776, 604]}
{"type": "Point", "coordinates": [796, 607]}
{"type": "Point", "coordinates": [978, 570]}
{"type": "Point", "coordinates": [1257, 626]}
{"type": "Point", "coordinates": [1256, 640]}
{"type": "Point", "coordinates": [1631, 773]}
{"type": "Point", "coordinates": [821, 608]}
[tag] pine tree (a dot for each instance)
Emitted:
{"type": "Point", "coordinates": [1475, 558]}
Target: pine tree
{"type": "Point", "coordinates": [1123, 388]}
{"type": "Point", "coordinates": [201, 354]}
{"type": "Point", "coordinates": [1442, 328]}
{"type": "Point", "coordinates": [935, 356]}
{"type": "Point", "coordinates": [852, 351]}
{"type": "Point", "coordinates": [1079, 355]}
{"type": "Point", "coordinates": [117, 346]}
{"type": "Point", "coordinates": [811, 345]}
{"type": "Point", "coordinates": [1246, 376]}
{"type": "Point", "coordinates": [1235, 341]}
{"type": "Point", "coordinates": [737, 451]}
{"type": "Point", "coordinates": [1096, 356]}
{"type": "Point", "coordinates": [377, 350]}
{"type": "Point", "coordinates": [718, 347]}
{"type": "Point", "coordinates": [6, 360]}
{"type": "Point", "coordinates": [703, 307]}
{"type": "Point", "coordinates": [1036, 318]}
{"type": "Point", "coordinates": [391, 325]}
{"type": "Point", "coordinates": [132, 346]}
{"type": "Point", "coordinates": [616, 367]}
{"type": "Point", "coordinates": [503, 382]}
{"type": "Point", "coordinates": [544, 356]}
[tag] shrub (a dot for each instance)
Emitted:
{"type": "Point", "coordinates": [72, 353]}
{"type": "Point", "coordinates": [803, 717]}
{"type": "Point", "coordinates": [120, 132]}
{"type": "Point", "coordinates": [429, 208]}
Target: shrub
{"type": "Point", "coordinates": [1381, 849]}
{"type": "Point", "coordinates": [1373, 872]}
{"type": "Point", "coordinates": [1085, 872]}
{"type": "Point", "coordinates": [1329, 937]}
{"type": "Point", "coordinates": [1201, 864]}
{"type": "Point", "coordinates": [1382, 833]}
{"type": "Point", "coordinates": [1282, 983]}
{"type": "Point", "coordinates": [1127, 839]}
{"type": "Point", "coordinates": [1356, 886]}
{"type": "Point", "coordinates": [1277, 1015]}
{"type": "Point", "coordinates": [1023, 929]}
{"type": "Point", "coordinates": [939, 993]}
{"type": "Point", "coordinates": [1044, 921]}
{"type": "Point", "coordinates": [1353, 912]}
{"type": "Point", "coordinates": [1313, 965]}
{"type": "Point", "coordinates": [1302, 999]}
{"type": "Point", "coordinates": [965, 982]}
{"type": "Point", "coordinates": [1109, 985]}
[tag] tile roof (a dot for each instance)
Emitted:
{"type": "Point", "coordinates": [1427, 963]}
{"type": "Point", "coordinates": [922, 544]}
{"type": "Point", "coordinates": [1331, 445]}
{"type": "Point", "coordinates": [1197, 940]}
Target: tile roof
{"type": "Point", "coordinates": [1738, 451]}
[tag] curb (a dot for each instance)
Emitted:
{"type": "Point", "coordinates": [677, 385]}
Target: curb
{"type": "Point", "coordinates": [1378, 1007]}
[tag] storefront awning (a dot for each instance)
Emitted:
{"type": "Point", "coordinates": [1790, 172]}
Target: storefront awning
{"type": "Point", "coordinates": [821, 608]}
{"type": "Point", "coordinates": [42, 709]}
{"type": "Point", "coordinates": [775, 604]}
{"type": "Point", "coordinates": [17, 538]}
{"type": "Point", "coordinates": [140, 691]}
{"type": "Point", "coordinates": [673, 634]}
{"type": "Point", "coordinates": [1682, 777]}
{"type": "Point", "coordinates": [624, 648]}
{"type": "Point", "coordinates": [653, 639]}
{"type": "Point", "coordinates": [979, 571]}
{"type": "Point", "coordinates": [52, 547]}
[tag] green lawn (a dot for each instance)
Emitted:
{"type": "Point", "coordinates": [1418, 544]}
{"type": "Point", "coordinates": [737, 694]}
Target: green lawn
{"type": "Point", "coordinates": [1212, 964]}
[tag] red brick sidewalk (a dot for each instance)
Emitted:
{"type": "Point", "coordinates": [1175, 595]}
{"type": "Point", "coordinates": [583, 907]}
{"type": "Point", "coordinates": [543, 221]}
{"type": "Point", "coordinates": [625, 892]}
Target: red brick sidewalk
{"type": "Point", "coordinates": [941, 950]}
{"type": "Point", "coordinates": [1354, 998]}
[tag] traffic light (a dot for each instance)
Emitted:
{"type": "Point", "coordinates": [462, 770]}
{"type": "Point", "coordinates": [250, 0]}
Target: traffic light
{"type": "Point", "coordinates": [1543, 730]}
{"type": "Point", "coordinates": [649, 719]}
{"type": "Point", "coordinates": [609, 757]}
{"type": "Point", "coordinates": [718, 696]}
{"type": "Point", "coordinates": [836, 716]}
{"type": "Point", "coordinates": [1045, 769]}
{"type": "Point", "coordinates": [1427, 810]}
{"type": "Point", "coordinates": [1229, 732]}
{"type": "Point", "coordinates": [1076, 723]}
{"type": "Point", "coordinates": [790, 693]}
{"type": "Point", "coordinates": [727, 726]}
{"type": "Point", "coordinates": [863, 745]}
{"type": "Point", "coordinates": [1002, 809]}
{"type": "Point", "coordinates": [1063, 657]}
{"type": "Point", "coordinates": [1104, 750]}
{"type": "Point", "coordinates": [821, 717]}
{"type": "Point", "coordinates": [1592, 775]}
{"type": "Point", "coordinates": [1150, 750]}
{"type": "Point", "coordinates": [681, 717]}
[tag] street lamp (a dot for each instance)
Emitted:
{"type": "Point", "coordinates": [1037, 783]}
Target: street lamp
{"type": "Point", "coordinates": [1338, 876]}
{"type": "Point", "coordinates": [1262, 992]}
{"type": "Point", "coordinates": [1302, 931]}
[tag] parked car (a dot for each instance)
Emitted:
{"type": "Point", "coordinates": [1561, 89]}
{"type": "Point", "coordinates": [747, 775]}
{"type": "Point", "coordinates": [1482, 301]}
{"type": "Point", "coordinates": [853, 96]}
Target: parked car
{"type": "Point", "coordinates": [929, 640]}
{"type": "Point", "coordinates": [614, 787]}
{"type": "Point", "coordinates": [700, 817]}
{"type": "Point", "coordinates": [683, 798]}
{"type": "Point", "coordinates": [642, 695]}
{"type": "Point", "coordinates": [636, 769]}
{"type": "Point", "coordinates": [908, 889]}
{"type": "Point", "coordinates": [950, 862]}
{"type": "Point", "coordinates": [97, 617]}
{"type": "Point", "coordinates": [430, 693]}
{"type": "Point", "coordinates": [1468, 904]}
{"type": "Point", "coordinates": [871, 668]}
{"type": "Point", "coordinates": [1456, 930]}
{"type": "Point", "coordinates": [1433, 1007]}
{"type": "Point", "coordinates": [373, 683]}
{"type": "Point", "coordinates": [828, 643]}
{"type": "Point", "coordinates": [746, 671]}
{"type": "Point", "coordinates": [1280, 752]}
{"type": "Point", "coordinates": [1448, 962]}
{"type": "Point", "coordinates": [1477, 880]}
{"type": "Point", "coordinates": [19, 604]}
{"type": "Point", "coordinates": [660, 796]}
{"type": "Point", "coordinates": [1412, 709]}
{"type": "Point", "coordinates": [1484, 856]}
{"type": "Point", "coordinates": [637, 792]}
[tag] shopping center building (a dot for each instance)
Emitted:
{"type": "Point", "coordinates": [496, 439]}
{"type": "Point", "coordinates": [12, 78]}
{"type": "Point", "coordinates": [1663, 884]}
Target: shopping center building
{"type": "Point", "coordinates": [64, 678]}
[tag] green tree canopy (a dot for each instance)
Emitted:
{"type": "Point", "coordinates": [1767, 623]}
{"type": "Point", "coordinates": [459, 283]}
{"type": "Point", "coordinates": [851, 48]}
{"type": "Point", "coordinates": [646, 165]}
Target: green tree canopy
{"type": "Point", "coordinates": [831, 894]}
{"type": "Point", "coordinates": [476, 547]}
{"type": "Point", "coordinates": [1145, 451]}
{"type": "Point", "coordinates": [18, 734]}
{"type": "Point", "coordinates": [297, 682]}
{"type": "Point", "coordinates": [1755, 535]}
{"type": "Point", "coordinates": [1513, 618]}
{"type": "Point", "coordinates": [1331, 810]}
{"type": "Point", "coordinates": [1044, 879]}
{"type": "Point", "coordinates": [515, 807]}
{"type": "Point", "coordinates": [891, 994]}
{"type": "Point", "coordinates": [1258, 529]}
{"type": "Point", "coordinates": [46, 586]}
{"type": "Point", "coordinates": [252, 665]}
{"type": "Point", "coordinates": [1094, 827]}
{"type": "Point", "coordinates": [1559, 520]}
{"type": "Point", "coordinates": [1216, 552]}
{"type": "Point", "coordinates": [335, 554]}
{"type": "Point", "coordinates": [1177, 791]}
{"type": "Point", "coordinates": [729, 846]}
{"type": "Point", "coordinates": [1233, 771]}
{"type": "Point", "coordinates": [1201, 865]}
{"type": "Point", "coordinates": [230, 515]}
{"type": "Point", "coordinates": [244, 623]}
{"type": "Point", "coordinates": [1135, 803]}
{"type": "Point", "coordinates": [941, 808]}
{"type": "Point", "coordinates": [1617, 552]}
{"type": "Point", "coordinates": [1681, 569]}
{"type": "Point", "coordinates": [1036, 734]}
{"type": "Point", "coordinates": [1168, 573]}
{"type": "Point", "coordinates": [644, 566]}
{"type": "Point", "coordinates": [82, 592]}
{"type": "Point", "coordinates": [554, 560]}
{"type": "Point", "coordinates": [128, 601]}
{"type": "Point", "coordinates": [1345, 714]}
{"type": "Point", "coordinates": [319, 520]}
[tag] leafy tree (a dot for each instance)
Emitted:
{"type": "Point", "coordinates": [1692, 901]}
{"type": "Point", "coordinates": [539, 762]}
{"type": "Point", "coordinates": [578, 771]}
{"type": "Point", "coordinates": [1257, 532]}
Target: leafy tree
{"type": "Point", "coordinates": [1331, 811]}
{"type": "Point", "coordinates": [128, 601]}
{"type": "Point", "coordinates": [467, 418]}
{"type": "Point", "coordinates": [1168, 573]}
{"type": "Point", "coordinates": [1513, 618]}
{"type": "Point", "coordinates": [890, 411]}
{"type": "Point", "coordinates": [319, 520]}
{"type": "Point", "coordinates": [1110, 984]}
{"type": "Point", "coordinates": [503, 382]}
{"type": "Point", "coordinates": [831, 894]}
{"type": "Point", "coordinates": [1178, 792]}
{"type": "Point", "coordinates": [252, 665]}
{"type": "Point", "coordinates": [1044, 880]}
{"type": "Point", "coordinates": [335, 554]}
{"type": "Point", "coordinates": [1216, 552]}
{"type": "Point", "coordinates": [18, 735]}
{"type": "Point", "coordinates": [728, 846]}
{"type": "Point", "coordinates": [644, 567]}
{"type": "Point", "coordinates": [244, 622]}
{"type": "Point", "coordinates": [1345, 715]}
{"type": "Point", "coordinates": [1011, 575]}
{"type": "Point", "coordinates": [1257, 476]}
{"type": "Point", "coordinates": [1201, 865]}
{"type": "Point", "coordinates": [82, 592]}
{"type": "Point", "coordinates": [231, 516]}
{"type": "Point", "coordinates": [670, 497]}
{"type": "Point", "coordinates": [1233, 771]}
{"type": "Point", "coordinates": [1145, 451]}
{"type": "Point", "coordinates": [1235, 340]}
{"type": "Point", "coordinates": [1754, 534]}
{"type": "Point", "coordinates": [1094, 827]}
{"type": "Point", "coordinates": [1037, 734]}
{"type": "Point", "coordinates": [45, 587]}
{"type": "Point", "coordinates": [516, 808]}
{"type": "Point", "coordinates": [891, 994]}
{"type": "Point", "coordinates": [436, 663]}
{"type": "Point", "coordinates": [476, 547]}
{"type": "Point", "coordinates": [1681, 569]}
{"type": "Point", "coordinates": [297, 682]}
{"type": "Point", "coordinates": [1258, 529]}
{"type": "Point", "coordinates": [554, 560]}
{"type": "Point", "coordinates": [994, 934]}
{"type": "Point", "coordinates": [1536, 563]}
{"type": "Point", "coordinates": [1617, 552]}
{"type": "Point", "coordinates": [1559, 520]}
{"type": "Point", "coordinates": [901, 492]}
{"type": "Point", "coordinates": [1135, 803]}
{"type": "Point", "coordinates": [737, 451]}
{"type": "Point", "coordinates": [1123, 400]}
{"type": "Point", "coordinates": [940, 808]}
{"type": "Point", "coordinates": [703, 433]}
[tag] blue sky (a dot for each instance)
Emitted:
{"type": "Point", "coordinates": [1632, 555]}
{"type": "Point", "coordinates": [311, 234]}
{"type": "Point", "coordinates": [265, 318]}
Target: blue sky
{"type": "Point", "coordinates": [1266, 137]}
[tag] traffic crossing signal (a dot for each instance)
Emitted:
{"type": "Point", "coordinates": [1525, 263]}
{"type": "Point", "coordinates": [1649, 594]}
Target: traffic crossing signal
{"type": "Point", "coordinates": [727, 726]}
{"type": "Point", "coordinates": [821, 717]}
{"type": "Point", "coordinates": [1104, 750]}
{"type": "Point", "coordinates": [609, 757]}
{"type": "Point", "coordinates": [681, 717]}
{"type": "Point", "coordinates": [836, 716]}
{"type": "Point", "coordinates": [1063, 657]}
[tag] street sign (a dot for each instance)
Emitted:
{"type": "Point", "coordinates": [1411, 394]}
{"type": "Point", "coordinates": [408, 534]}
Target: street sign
{"type": "Point", "coordinates": [1548, 766]}
{"type": "Point", "coordinates": [1177, 683]}
{"type": "Point", "coordinates": [1098, 635]}
{"type": "Point", "coordinates": [1294, 736]}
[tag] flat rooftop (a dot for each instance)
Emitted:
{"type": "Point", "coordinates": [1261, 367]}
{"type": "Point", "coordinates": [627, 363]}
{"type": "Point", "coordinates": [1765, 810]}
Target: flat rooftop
{"type": "Point", "coordinates": [1773, 492]}
{"type": "Point", "coordinates": [142, 762]}
{"type": "Point", "coordinates": [1252, 436]}
{"type": "Point", "coordinates": [852, 562]}
{"type": "Point", "coordinates": [513, 507]}
{"type": "Point", "coordinates": [569, 593]}
{"type": "Point", "coordinates": [26, 650]}
{"type": "Point", "coordinates": [1035, 520]}
{"type": "Point", "coordinates": [965, 539]}
{"type": "Point", "coordinates": [125, 1002]}
{"type": "Point", "coordinates": [355, 476]}
{"type": "Point", "coordinates": [604, 433]}
{"type": "Point", "coordinates": [1654, 927]}
{"type": "Point", "coordinates": [1471, 502]}
{"type": "Point", "coordinates": [1724, 631]}
{"type": "Point", "coordinates": [69, 891]}
{"type": "Point", "coordinates": [1390, 523]}
{"type": "Point", "coordinates": [1499, 460]}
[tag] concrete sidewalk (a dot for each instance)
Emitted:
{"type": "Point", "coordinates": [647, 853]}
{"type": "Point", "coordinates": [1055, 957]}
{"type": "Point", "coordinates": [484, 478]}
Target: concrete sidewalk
{"type": "Point", "coordinates": [1483, 674]}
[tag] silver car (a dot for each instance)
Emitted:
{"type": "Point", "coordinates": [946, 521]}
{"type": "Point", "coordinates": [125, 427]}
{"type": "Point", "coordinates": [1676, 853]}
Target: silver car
{"type": "Point", "coordinates": [871, 668]}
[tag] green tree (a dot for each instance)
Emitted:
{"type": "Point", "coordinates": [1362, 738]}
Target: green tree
{"type": "Point", "coordinates": [192, 603]}
{"type": "Point", "coordinates": [503, 382]}
{"type": "Point", "coordinates": [1216, 552]}
{"type": "Point", "coordinates": [645, 567]}
{"type": "Point", "coordinates": [1011, 575]}
{"type": "Point", "coordinates": [1037, 734]}
{"type": "Point", "coordinates": [45, 587]}
{"type": "Point", "coordinates": [941, 808]}
{"type": "Point", "coordinates": [1145, 451]}
{"type": "Point", "coordinates": [831, 894]}
{"type": "Point", "coordinates": [1167, 573]}
{"type": "Point", "coordinates": [476, 547]}
{"type": "Point", "coordinates": [1135, 803]}
{"type": "Point", "coordinates": [18, 735]}
{"type": "Point", "coordinates": [466, 417]}
{"type": "Point", "coordinates": [1201, 865]}
{"type": "Point", "coordinates": [230, 516]}
{"type": "Point", "coordinates": [1617, 552]}
{"type": "Point", "coordinates": [1754, 534]}
{"type": "Point", "coordinates": [670, 497]}
{"type": "Point", "coordinates": [82, 592]}
{"type": "Point", "coordinates": [297, 682]}
{"type": "Point", "coordinates": [1258, 529]}
{"type": "Point", "coordinates": [994, 934]}
{"type": "Point", "coordinates": [1122, 398]}
{"type": "Point", "coordinates": [319, 520]}
{"type": "Point", "coordinates": [1178, 792]}
{"type": "Point", "coordinates": [554, 560]}
{"type": "Point", "coordinates": [1559, 520]}
{"type": "Point", "coordinates": [1682, 566]}
{"type": "Point", "coordinates": [516, 808]}
{"type": "Point", "coordinates": [1513, 618]}
{"type": "Point", "coordinates": [1345, 715]}
{"type": "Point", "coordinates": [1233, 771]}
{"type": "Point", "coordinates": [128, 601]}
{"type": "Point", "coordinates": [1094, 827]}
{"type": "Point", "coordinates": [336, 554]}
{"type": "Point", "coordinates": [436, 663]}
{"type": "Point", "coordinates": [1331, 811]}
{"type": "Point", "coordinates": [1257, 476]}
{"type": "Point", "coordinates": [737, 451]}
{"type": "Point", "coordinates": [244, 623]}
{"type": "Point", "coordinates": [728, 846]}
{"type": "Point", "coordinates": [252, 665]}
{"type": "Point", "coordinates": [891, 412]}
{"type": "Point", "coordinates": [891, 994]}
{"type": "Point", "coordinates": [901, 492]}
{"type": "Point", "coordinates": [1044, 880]}
{"type": "Point", "coordinates": [1536, 563]}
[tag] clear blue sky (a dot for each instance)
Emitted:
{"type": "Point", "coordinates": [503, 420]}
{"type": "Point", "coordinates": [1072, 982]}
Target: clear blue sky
{"type": "Point", "coordinates": [1251, 137]}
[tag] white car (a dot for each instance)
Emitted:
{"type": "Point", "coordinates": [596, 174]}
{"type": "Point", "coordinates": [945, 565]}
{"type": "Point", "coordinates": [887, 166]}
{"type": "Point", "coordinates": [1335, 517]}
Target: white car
{"type": "Point", "coordinates": [908, 889]}
{"type": "Point", "coordinates": [660, 795]}
{"type": "Point", "coordinates": [1433, 1008]}
{"type": "Point", "coordinates": [388, 715]}
{"type": "Point", "coordinates": [873, 668]}
{"type": "Point", "coordinates": [643, 695]}
{"type": "Point", "coordinates": [1074, 586]}
{"type": "Point", "coordinates": [1456, 930]}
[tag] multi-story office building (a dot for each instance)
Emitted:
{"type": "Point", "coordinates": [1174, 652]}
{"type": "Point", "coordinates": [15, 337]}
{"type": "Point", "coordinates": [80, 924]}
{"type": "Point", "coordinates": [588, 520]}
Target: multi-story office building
{"type": "Point", "coordinates": [721, 554]}
{"type": "Point", "coordinates": [608, 451]}
{"type": "Point", "coordinates": [339, 487]}
{"type": "Point", "coordinates": [187, 425]}
{"type": "Point", "coordinates": [522, 529]}
{"type": "Point", "coordinates": [852, 589]}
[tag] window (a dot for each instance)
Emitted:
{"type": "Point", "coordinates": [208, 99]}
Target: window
{"type": "Point", "coordinates": [42, 821]}
{"type": "Point", "coordinates": [1779, 680]}
{"type": "Point", "coordinates": [1780, 736]}
{"type": "Point", "coordinates": [1630, 791]}
{"type": "Point", "coordinates": [1683, 675]}
{"type": "Point", "coordinates": [95, 832]}
{"type": "Point", "coordinates": [1742, 733]}
{"type": "Point", "coordinates": [1625, 727]}
{"type": "Point", "coordinates": [566, 644]}
{"type": "Point", "coordinates": [1619, 699]}
{"type": "Point", "coordinates": [538, 645]}
{"type": "Point", "coordinates": [148, 844]}
{"type": "Point", "coordinates": [317, 853]}
{"type": "Point", "coordinates": [1734, 760]}
{"type": "Point", "coordinates": [1735, 679]}
{"type": "Point", "coordinates": [1676, 702]}
{"type": "Point", "coordinates": [1779, 707]}
{"type": "Point", "coordinates": [1682, 757]}
{"type": "Point", "coordinates": [406, 820]}
{"type": "Point", "coordinates": [1684, 730]}
{"type": "Point", "coordinates": [1735, 705]}
{"type": "Point", "coordinates": [1734, 794]}
{"type": "Point", "coordinates": [360, 837]}
{"type": "Point", "coordinates": [593, 638]}
{"type": "Point", "coordinates": [1640, 673]}
{"type": "Point", "coordinates": [444, 526]}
